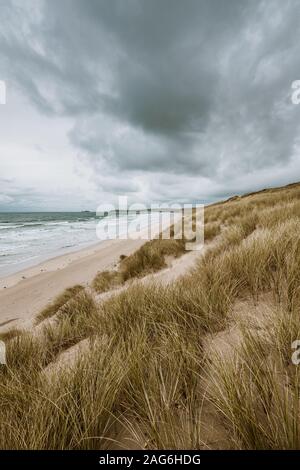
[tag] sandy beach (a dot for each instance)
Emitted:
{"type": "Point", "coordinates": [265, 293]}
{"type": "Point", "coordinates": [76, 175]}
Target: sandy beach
{"type": "Point", "coordinates": [24, 294]}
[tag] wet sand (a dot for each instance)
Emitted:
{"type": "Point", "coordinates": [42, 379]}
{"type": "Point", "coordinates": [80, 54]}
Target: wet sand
{"type": "Point", "coordinates": [24, 294]}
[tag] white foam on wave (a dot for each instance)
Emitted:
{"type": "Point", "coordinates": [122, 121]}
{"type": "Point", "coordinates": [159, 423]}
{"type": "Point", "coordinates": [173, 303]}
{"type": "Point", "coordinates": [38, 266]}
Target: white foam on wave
{"type": "Point", "coordinates": [30, 242]}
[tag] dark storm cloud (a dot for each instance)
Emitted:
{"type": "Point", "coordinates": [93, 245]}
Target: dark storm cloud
{"type": "Point", "coordinates": [183, 87]}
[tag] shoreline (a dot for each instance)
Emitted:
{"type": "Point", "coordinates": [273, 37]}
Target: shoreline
{"type": "Point", "coordinates": [27, 265]}
{"type": "Point", "coordinates": [9, 276]}
{"type": "Point", "coordinates": [24, 294]}
{"type": "Point", "coordinates": [53, 263]}
{"type": "Point", "coordinates": [27, 292]}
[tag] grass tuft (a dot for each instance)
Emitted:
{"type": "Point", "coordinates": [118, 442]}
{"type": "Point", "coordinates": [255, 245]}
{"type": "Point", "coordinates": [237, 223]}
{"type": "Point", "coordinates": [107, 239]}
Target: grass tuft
{"type": "Point", "coordinates": [147, 379]}
{"type": "Point", "coordinates": [59, 302]}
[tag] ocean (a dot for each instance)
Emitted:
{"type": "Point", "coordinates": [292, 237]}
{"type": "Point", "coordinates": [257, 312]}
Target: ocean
{"type": "Point", "coordinates": [26, 239]}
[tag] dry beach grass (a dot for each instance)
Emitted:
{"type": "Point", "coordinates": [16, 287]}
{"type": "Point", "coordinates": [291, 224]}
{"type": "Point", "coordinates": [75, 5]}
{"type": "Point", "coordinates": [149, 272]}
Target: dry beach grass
{"type": "Point", "coordinates": [151, 375]}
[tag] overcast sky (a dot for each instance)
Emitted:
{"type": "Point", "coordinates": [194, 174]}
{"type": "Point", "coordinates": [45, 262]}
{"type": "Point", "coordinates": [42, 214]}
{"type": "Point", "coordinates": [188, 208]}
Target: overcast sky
{"type": "Point", "coordinates": [160, 100]}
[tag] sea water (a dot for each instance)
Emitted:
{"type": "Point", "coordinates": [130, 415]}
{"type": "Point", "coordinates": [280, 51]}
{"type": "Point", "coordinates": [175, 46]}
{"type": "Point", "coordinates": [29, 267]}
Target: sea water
{"type": "Point", "coordinates": [27, 239]}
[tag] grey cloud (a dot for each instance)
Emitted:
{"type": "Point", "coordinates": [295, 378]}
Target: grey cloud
{"type": "Point", "coordinates": [164, 86]}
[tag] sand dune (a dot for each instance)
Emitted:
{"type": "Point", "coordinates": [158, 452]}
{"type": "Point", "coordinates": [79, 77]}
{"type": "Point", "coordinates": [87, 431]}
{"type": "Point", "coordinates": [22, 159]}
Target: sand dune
{"type": "Point", "coordinates": [23, 294]}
